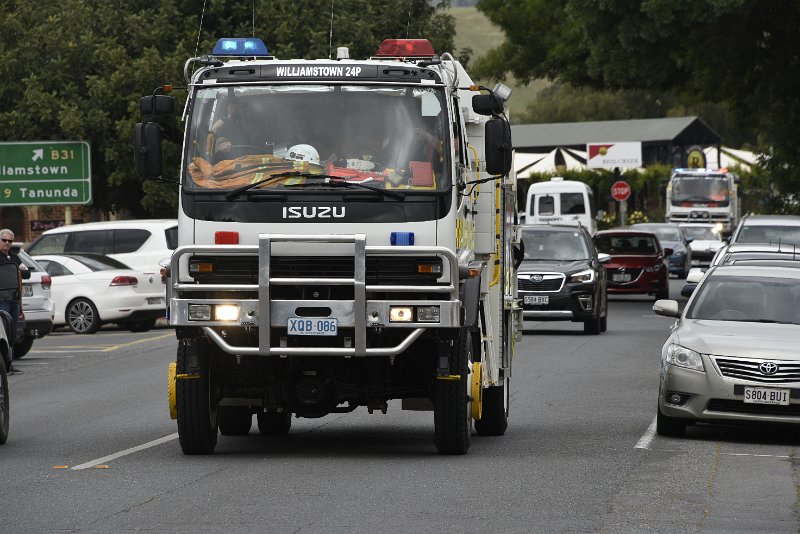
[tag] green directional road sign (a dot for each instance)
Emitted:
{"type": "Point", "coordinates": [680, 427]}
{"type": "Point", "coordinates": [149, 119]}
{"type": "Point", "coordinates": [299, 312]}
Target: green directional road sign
{"type": "Point", "coordinates": [45, 172]}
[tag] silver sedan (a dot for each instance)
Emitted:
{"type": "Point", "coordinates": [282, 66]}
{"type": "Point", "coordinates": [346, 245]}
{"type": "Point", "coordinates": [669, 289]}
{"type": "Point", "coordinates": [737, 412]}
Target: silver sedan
{"type": "Point", "coordinates": [732, 356]}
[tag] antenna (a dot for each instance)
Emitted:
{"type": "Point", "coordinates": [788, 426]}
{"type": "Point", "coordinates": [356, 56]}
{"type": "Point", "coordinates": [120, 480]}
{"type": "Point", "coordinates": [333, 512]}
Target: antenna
{"type": "Point", "coordinates": [330, 34]}
{"type": "Point", "coordinates": [202, 14]}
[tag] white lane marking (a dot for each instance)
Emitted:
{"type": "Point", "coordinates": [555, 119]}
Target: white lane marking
{"type": "Point", "coordinates": [126, 452]}
{"type": "Point", "coordinates": [647, 437]}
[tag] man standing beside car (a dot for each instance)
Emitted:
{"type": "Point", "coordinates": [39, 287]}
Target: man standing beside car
{"type": "Point", "coordinates": [10, 299]}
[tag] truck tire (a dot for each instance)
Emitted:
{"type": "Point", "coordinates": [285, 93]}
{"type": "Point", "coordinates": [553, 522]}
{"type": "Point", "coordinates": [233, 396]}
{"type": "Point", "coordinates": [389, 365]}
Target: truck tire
{"type": "Point", "coordinates": [22, 347]}
{"type": "Point", "coordinates": [452, 414]}
{"type": "Point", "coordinates": [197, 410]}
{"type": "Point", "coordinates": [274, 423]}
{"type": "Point", "coordinates": [494, 421]}
{"type": "Point", "coordinates": [4, 404]}
{"type": "Point", "coordinates": [234, 420]}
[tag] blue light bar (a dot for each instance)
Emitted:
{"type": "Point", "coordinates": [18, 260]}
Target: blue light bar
{"type": "Point", "coordinates": [402, 239]}
{"type": "Point", "coordinates": [238, 47]}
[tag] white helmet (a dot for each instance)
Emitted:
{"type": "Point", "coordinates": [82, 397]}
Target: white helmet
{"type": "Point", "coordinates": [303, 153]}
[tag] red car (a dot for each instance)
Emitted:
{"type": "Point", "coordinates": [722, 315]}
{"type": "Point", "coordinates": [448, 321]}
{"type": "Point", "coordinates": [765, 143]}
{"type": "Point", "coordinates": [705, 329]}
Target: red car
{"type": "Point", "coordinates": [638, 263]}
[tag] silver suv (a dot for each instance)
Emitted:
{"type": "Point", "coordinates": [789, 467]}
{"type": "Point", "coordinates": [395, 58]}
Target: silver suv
{"type": "Point", "coordinates": [770, 229]}
{"type": "Point", "coordinates": [37, 304]}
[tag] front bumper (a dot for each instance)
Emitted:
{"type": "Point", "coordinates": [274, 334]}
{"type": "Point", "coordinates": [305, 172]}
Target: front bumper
{"type": "Point", "coordinates": [570, 304]}
{"type": "Point", "coordinates": [708, 396]}
{"type": "Point", "coordinates": [367, 312]}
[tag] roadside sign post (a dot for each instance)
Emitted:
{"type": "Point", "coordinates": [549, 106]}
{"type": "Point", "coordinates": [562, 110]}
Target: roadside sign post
{"type": "Point", "coordinates": [620, 191]}
{"type": "Point", "coordinates": [45, 173]}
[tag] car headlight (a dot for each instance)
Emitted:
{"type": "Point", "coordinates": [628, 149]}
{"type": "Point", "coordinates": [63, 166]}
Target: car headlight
{"type": "Point", "coordinates": [654, 268]}
{"type": "Point", "coordinates": [584, 277]}
{"type": "Point", "coordinates": [683, 357]}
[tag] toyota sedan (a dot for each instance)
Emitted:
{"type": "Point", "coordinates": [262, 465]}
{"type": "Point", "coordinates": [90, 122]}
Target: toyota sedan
{"type": "Point", "coordinates": [732, 355]}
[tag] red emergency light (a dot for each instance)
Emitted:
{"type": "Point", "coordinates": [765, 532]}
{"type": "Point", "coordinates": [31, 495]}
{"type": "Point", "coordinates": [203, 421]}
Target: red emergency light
{"type": "Point", "coordinates": [226, 238]}
{"type": "Point", "coordinates": [405, 48]}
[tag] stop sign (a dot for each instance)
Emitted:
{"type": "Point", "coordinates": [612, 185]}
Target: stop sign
{"type": "Point", "coordinates": [620, 191]}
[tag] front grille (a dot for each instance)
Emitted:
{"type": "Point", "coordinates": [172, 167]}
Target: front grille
{"type": "Point", "coordinates": [551, 282]}
{"type": "Point", "coordinates": [735, 406]}
{"type": "Point", "coordinates": [747, 369]}
{"type": "Point", "coordinates": [634, 272]}
{"type": "Point", "coordinates": [381, 270]}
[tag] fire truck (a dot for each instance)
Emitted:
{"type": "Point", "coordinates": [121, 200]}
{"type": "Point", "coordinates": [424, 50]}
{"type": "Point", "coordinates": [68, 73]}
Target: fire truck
{"type": "Point", "coordinates": [704, 196]}
{"type": "Point", "coordinates": [347, 237]}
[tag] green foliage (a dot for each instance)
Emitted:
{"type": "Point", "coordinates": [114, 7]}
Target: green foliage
{"type": "Point", "coordinates": [75, 69]}
{"type": "Point", "coordinates": [738, 53]}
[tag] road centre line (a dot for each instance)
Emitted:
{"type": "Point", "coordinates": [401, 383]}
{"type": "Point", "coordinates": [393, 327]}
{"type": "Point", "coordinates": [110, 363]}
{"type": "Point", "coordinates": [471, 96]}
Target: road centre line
{"type": "Point", "coordinates": [647, 438]}
{"type": "Point", "coordinates": [126, 452]}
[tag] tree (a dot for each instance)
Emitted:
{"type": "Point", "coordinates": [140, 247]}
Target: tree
{"type": "Point", "coordinates": [75, 69]}
{"type": "Point", "coordinates": [743, 54]}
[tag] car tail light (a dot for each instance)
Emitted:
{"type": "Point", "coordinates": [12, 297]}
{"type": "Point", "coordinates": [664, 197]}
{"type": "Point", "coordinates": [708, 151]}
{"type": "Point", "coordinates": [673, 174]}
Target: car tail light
{"type": "Point", "coordinates": [46, 281]}
{"type": "Point", "coordinates": [124, 281]}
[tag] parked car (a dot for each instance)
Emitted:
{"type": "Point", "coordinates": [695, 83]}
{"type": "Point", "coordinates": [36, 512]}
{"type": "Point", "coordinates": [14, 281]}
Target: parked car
{"type": "Point", "coordinates": [37, 304]}
{"type": "Point", "coordinates": [732, 355]}
{"type": "Point", "coordinates": [638, 263]}
{"type": "Point", "coordinates": [772, 229]}
{"type": "Point", "coordinates": [562, 277]}
{"type": "Point", "coordinates": [139, 244]}
{"type": "Point", "coordinates": [706, 240]}
{"type": "Point", "coordinates": [672, 236]}
{"type": "Point", "coordinates": [90, 290]}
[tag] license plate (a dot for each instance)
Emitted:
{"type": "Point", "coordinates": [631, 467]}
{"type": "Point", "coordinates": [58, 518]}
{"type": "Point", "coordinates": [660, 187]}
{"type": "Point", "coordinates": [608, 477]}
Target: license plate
{"type": "Point", "coordinates": [154, 300]}
{"type": "Point", "coordinates": [621, 277]}
{"type": "Point", "coordinates": [536, 299]}
{"type": "Point", "coordinates": [766, 396]}
{"type": "Point", "coordinates": [312, 326]}
{"type": "Point", "coordinates": [27, 290]}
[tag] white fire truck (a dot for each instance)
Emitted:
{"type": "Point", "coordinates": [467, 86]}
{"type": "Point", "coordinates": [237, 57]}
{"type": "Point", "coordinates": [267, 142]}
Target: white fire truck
{"type": "Point", "coordinates": [704, 196]}
{"type": "Point", "coordinates": [347, 236]}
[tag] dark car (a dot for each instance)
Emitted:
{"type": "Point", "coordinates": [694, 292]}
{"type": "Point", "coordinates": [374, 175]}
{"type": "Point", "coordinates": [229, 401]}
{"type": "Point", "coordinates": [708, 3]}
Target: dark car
{"type": "Point", "coordinates": [638, 262]}
{"type": "Point", "coordinates": [674, 237]}
{"type": "Point", "coordinates": [562, 278]}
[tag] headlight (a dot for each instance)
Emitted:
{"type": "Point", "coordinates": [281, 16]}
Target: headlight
{"type": "Point", "coordinates": [585, 277]}
{"type": "Point", "coordinates": [654, 268]}
{"type": "Point", "coordinates": [683, 357]}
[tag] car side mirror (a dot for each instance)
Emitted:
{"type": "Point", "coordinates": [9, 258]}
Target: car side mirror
{"type": "Point", "coordinates": [26, 274]}
{"type": "Point", "coordinates": [668, 251]}
{"type": "Point", "coordinates": [667, 308]}
{"type": "Point", "coordinates": [688, 289]}
{"type": "Point", "coordinates": [602, 257]}
{"type": "Point", "coordinates": [694, 275]}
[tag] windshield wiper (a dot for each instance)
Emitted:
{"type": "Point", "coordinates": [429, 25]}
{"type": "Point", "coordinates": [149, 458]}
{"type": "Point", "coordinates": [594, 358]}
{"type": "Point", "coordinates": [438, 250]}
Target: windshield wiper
{"type": "Point", "coordinates": [339, 181]}
{"type": "Point", "coordinates": [236, 193]}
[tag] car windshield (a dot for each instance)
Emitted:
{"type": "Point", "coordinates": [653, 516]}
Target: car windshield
{"type": "Point", "coordinates": [769, 234]}
{"type": "Point", "coordinates": [749, 299]}
{"type": "Point", "coordinates": [626, 245]}
{"type": "Point", "coordinates": [705, 189]}
{"type": "Point", "coordinates": [392, 137]}
{"type": "Point", "coordinates": [702, 233]}
{"type": "Point", "coordinates": [559, 246]}
{"type": "Point", "coordinates": [664, 233]}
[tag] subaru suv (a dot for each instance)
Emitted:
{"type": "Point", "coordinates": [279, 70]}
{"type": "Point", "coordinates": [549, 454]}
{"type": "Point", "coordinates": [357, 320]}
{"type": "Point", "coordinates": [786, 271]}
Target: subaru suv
{"type": "Point", "coordinates": [562, 277]}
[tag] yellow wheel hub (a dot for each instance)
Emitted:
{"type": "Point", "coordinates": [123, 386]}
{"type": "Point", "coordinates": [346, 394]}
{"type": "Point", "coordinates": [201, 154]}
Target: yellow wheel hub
{"type": "Point", "coordinates": [173, 411]}
{"type": "Point", "coordinates": [477, 391]}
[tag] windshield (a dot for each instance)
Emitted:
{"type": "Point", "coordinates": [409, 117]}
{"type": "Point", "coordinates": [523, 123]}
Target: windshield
{"type": "Point", "coordinates": [769, 234]}
{"type": "Point", "coordinates": [559, 246]}
{"type": "Point", "coordinates": [392, 137]}
{"type": "Point", "coordinates": [753, 299]}
{"type": "Point", "coordinates": [690, 190]}
{"type": "Point", "coordinates": [702, 233]}
{"type": "Point", "coordinates": [664, 233]}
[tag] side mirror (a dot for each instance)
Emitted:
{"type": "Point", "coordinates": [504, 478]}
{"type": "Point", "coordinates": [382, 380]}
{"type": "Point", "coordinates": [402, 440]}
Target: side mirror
{"type": "Point", "coordinates": [602, 257]}
{"type": "Point", "coordinates": [694, 275]}
{"type": "Point", "coordinates": [157, 105]}
{"type": "Point", "coordinates": [668, 251]}
{"type": "Point", "coordinates": [487, 105]}
{"type": "Point", "coordinates": [147, 149]}
{"type": "Point", "coordinates": [688, 289]}
{"type": "Point", "coordinates": [26, 274]}
{"type": "Point", "coordinates": [667, 308]}
{"type": "Point", "coordinates": [498, 147]}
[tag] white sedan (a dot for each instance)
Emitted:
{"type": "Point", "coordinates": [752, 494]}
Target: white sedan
{"type": "Point", "coordinates": [92, 289]}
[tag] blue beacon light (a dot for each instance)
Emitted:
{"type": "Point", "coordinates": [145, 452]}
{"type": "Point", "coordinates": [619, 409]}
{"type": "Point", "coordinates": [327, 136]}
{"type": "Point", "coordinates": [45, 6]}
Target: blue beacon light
{"type": "Point", "coordinates": [239, 46]}
{"type": "Point", "coordinates": [402, 239]}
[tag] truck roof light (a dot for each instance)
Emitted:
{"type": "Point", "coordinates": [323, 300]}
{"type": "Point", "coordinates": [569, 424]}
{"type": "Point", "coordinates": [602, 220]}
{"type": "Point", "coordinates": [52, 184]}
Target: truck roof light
{"type": "Point", "coordinates": [240, 46]}
{"type": "Point", "coordinates": [405, 48]}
